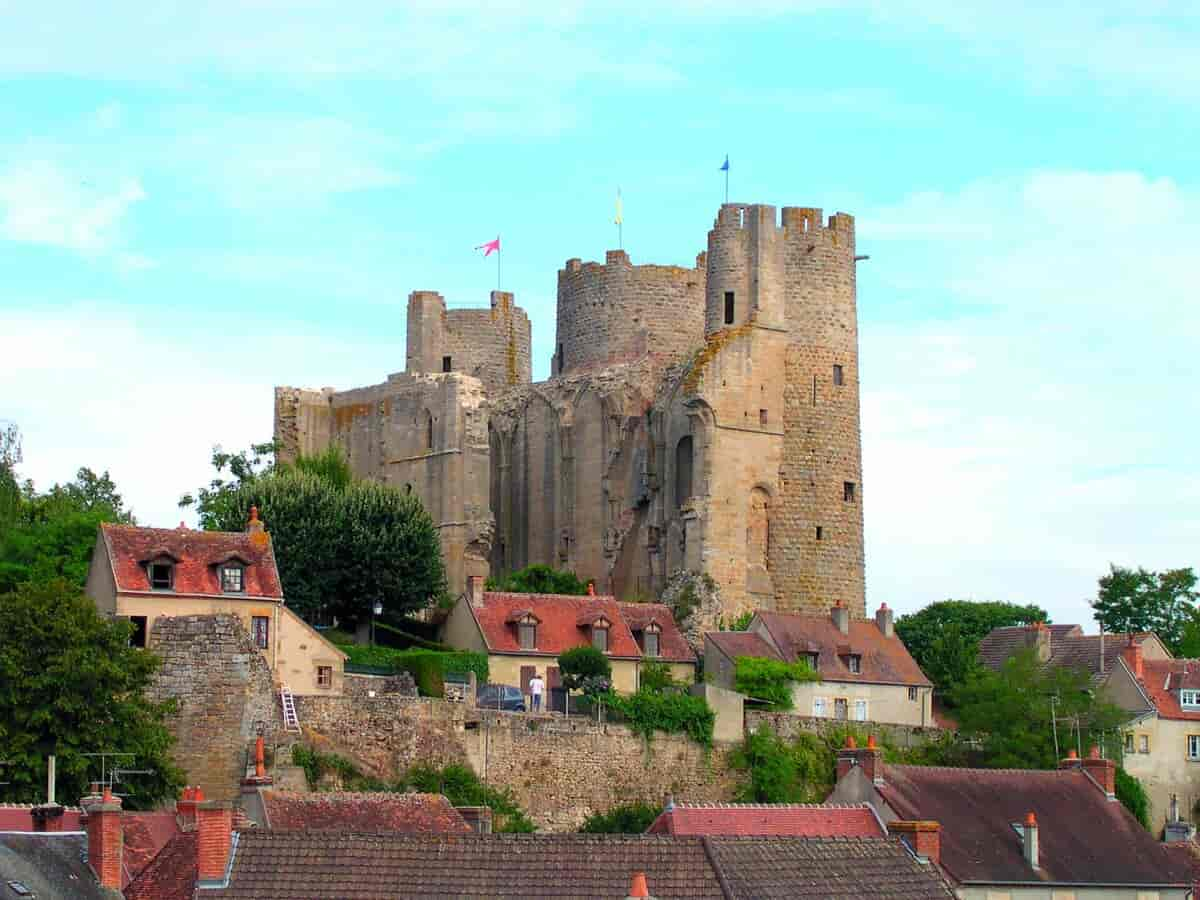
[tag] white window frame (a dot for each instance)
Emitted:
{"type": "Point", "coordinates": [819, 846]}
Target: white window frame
{"type": "Point", "coordinates": [1193, 747]}
{"type": "Point", "coordinates": [860, 704]}
{"type": "Point", "coordinates": [818, 707]}
{"type": "Point", "coordinates": [647, 636]}
{"type": "Point", "coordinates": [1189, 698]}
{"type": "Point", "coordinates": [913, 695]}
{"type": "Point", "coordinates": [241, 577]}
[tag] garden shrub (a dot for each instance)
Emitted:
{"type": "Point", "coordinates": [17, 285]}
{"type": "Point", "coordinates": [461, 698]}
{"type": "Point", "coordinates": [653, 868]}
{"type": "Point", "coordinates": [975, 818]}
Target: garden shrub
{"type": "Point", "coordinates": [538, 579]}
{"type": "Point", "coordinates": [1133, 797]}
{"type": "Point", "coordinates": [317, 764]}
{"type": "Point", "coordinates": [628, 818]}
{"type": "Point", "coordinates": [426, 666]}
{"type": "Point", "coordinates": [675, 713]}
{"type": "Point", "coordinates": [583, 664]}
{"type": "Point", "coordinates": [462, 787]}
{"type": "Point", "coordinates": [656, 678]}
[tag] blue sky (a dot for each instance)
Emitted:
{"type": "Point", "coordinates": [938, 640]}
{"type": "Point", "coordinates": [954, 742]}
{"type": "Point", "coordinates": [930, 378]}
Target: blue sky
{"type": "Point", "coordinates": [200, 201]}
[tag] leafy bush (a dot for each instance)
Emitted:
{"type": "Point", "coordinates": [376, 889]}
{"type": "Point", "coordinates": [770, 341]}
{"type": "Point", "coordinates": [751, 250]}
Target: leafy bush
{"type": "Point", "coordinates": [646, 713]}
{"type": "Point", "coordinates": [428, 667]}
{"type": "Point", "coordinates": [1133, 797]}
{"type": "Point", "coordinates": [581, 663]}
{"type": "Point", "coordinates": [628, 818]}
{"type": "Point", "coordinates": [741, 623]}
{"type": "Point", "coordinates": [770, 679]}
{"type": "Point", "coordinates": [399, 639]}
{"type": "Point", "coordinates": [462, 787]}
{"type": "Point", "coordinates": [317, 764]}
{"type": "Point", "coordinates": [538, 579]}
{"type": "Point", "coordinates": [799, 771]}
{"type": "Point", "coordinates": [656, 678]}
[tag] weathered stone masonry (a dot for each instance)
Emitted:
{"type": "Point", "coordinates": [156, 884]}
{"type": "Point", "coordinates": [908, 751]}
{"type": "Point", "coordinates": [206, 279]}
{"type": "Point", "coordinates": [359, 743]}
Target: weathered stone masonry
{"type": "Point", "coordinates": [703, 420]}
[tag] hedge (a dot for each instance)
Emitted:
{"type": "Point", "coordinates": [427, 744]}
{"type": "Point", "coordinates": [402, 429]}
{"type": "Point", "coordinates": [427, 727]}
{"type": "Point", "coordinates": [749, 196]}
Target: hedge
{"type": "Point", "coordinates": [428, 667]}
{"type": "Point", "coordinates": [646, 713]}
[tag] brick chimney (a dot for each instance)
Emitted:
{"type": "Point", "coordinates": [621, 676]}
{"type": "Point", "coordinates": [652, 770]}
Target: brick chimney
{"type": "Point", "coordinates": [214, 822]}
{"type": "Point", "coordinates": [923, 836]}
{"type": "Point", "coordinates": [868, 758]}
{"type": "Point", "coordinates": [841, 617]}
{"type": "Point", "coordinates": [475, 590]}
{"type": "Point", "coordinates": [1037, 635]}
{"type": "Point", "coordinates": [105, 840]}
{"type": "Point", "coordinates": [1132, 654]}
{"type": "Point", "coordinates": [185, 808]}
{"type": "Point", "coordinates": [883, 620]}
{"type": "Point", "coordinates": [1029, 840]}
{"type": "Point", "coordinates": [1104, 771]}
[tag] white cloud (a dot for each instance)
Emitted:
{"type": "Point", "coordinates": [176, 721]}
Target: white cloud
{"type": "Point", "coordinates": [43, 203]}
{"type": "Point", "coordinates": [1033, 423]}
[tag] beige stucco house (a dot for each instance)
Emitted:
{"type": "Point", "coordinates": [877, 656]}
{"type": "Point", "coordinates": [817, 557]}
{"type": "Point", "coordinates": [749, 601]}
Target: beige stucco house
{"type": "Point", "coordinates": [144, 574]}
{"type": "Point", "coordinates": [523, 634]}
{"type": "Point", "coordinates": [867, 674]}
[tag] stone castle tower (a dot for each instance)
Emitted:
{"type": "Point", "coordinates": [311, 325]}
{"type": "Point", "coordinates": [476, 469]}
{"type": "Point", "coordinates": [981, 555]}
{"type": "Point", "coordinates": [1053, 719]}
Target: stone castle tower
{"type": "Point", "coordinates": [702, 419]}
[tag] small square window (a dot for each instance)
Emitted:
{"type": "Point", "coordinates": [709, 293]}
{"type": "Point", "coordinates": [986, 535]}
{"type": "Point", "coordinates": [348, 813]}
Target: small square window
{"type": "Point", "coordinates": [260, 628]}
{"type": "Point", "coordinates": [445, 363]}
{"type": "Point", "coordinates": [600, 639]}
{"type": "Point", "coordinates": [848, 491]}
{"type": "Point", "coordinates": [912, 694]}
{"type": "Point", "coordinates": [729, 307]}
{"type": "Point", "coordinates": [762, 417]}
{"type": "Point", "coordinates": [137, 638]}
{"type": "Point", "coordinates": [324, 676]}
{"type": "Point", "coordinates": [161, 576]}
{"type": "Point", "coordinates": [650, 643]}
{"type": "Point", "coordinates": [528, 636]}
{"type": "Point", "coordinates": [233, 579]}
{"type": "Point", "coordinates": [838, 376]}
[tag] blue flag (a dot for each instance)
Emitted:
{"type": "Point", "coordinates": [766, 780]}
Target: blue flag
{"type": "Point", "coordinates": [725, 165]}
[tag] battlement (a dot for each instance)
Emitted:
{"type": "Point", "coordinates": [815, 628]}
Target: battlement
{"type": "Point", "coordinates": [492, 343]}
{"type": "Point", "coordinates": [794, 219]}
{"type": "Point", "coordinates": [615, 311]}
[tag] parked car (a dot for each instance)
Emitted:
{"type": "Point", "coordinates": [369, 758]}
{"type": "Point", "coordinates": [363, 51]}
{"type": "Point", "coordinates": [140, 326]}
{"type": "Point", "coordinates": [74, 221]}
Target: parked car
{"type": "Point", "coordinates": [500, 696]}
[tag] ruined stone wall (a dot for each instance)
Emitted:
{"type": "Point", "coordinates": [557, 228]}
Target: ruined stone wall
{"type": "Point", "coordinates": [818, 557]}
{"type": "Point", "coordinates": [223, 688]}
{"type": "Point", "coordinates": [490, 344]}
{"type": "Point", "coordinates": [617, 312]}
{"type": "Point", "coordinates": [303, 422]}
{"type": "Point", "coordinates": [560, 771]}
{"type": "Point", "coordinates": [788, 725]}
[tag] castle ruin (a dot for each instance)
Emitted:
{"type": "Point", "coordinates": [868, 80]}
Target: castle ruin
{"type": "Point", "coordinates": [702, 419]}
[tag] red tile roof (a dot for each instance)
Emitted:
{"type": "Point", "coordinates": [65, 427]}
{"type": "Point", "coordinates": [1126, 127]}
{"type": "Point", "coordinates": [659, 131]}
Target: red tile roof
{"type": "Point", "coordinates": [558, 628]}
{"type": "Point", "coordinates": [1069, 647]}
{"type": "Point", "coordinates": [742, 643]}
{"type": "Point", "coordinates": [1084, 838]}
{"type": "Point", "coordinates": [171, 874]}
{"type": "Point", "coordinates": [796, 820]}
{"type": "Point", "coordinates": [144, 834]}
{"type": "Point", "coordinates": [883, 660]}
{"type": "Point", "coordinates": [1162, 679]}
{"type": "Point", "coordinates": [672, 646]}
{"type": "Point", "coordinates": [399, 813]}
{"type": "Point", "coordinates": [197, 554]}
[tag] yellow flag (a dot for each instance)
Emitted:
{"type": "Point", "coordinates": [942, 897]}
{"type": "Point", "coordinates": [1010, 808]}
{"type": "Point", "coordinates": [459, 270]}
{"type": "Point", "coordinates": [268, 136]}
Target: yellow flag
{"type": "Point", "coordinates": [620, 214]}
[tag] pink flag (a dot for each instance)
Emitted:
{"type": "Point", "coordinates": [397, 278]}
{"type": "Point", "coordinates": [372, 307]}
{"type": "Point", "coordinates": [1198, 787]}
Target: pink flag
{"type": "Point", "coordinates": [490, 247]}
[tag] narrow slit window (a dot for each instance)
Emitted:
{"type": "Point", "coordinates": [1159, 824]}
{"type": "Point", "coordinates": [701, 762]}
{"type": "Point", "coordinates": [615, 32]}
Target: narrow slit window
{"type": "Point", "coordinates": [762, 417]}
{"type": "Point", "coordinates": [820, 533]}
{"type": "Point", "coordinates": [814, 396]}
{"type": "Point", "coordinates": [561, 361]}
{"type": "Point", "coordinates": [428, 431]}
{"type": "Point", "coordinates": [848, 490]}
{"type": "Point", "coordinates": [729, 307]}
{"type": "Point", "coordinates": [446, 361]}
{"type": "Point", "coordinates": [838, 376]}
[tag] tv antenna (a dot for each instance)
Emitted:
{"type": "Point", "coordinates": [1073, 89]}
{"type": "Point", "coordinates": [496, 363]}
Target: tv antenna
{"type": "Point", "coordinates": [110, 775]}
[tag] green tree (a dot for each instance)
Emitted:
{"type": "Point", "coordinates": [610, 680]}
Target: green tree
{"type": "Point", "coordinates": [52, 535]}
{"type": "Point", "coordinates": [1012, 714]}
{"type": "Point", "coordinates": [1132, 600]}
{"type": "Point", "coordinates": [538, 579]}
{"type": "Point", "coordinates": [583, 668]}
{"type": "Point", "coordinates": [944, 637]}
{"type": "Point", "coordinates": [10, 456]}
{"type": "Point", "coordinates": [219, 500]}
{"type": "Point", "coordinates": [628, 818]}
{"type": "Point", "coordinates": [70, 684]}
{"type": "Point", "coordinates": [781, 771]}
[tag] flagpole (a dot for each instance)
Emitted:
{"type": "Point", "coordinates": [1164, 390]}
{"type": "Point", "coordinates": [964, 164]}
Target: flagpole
{"type": "Point", "coordinates": [497, 265]}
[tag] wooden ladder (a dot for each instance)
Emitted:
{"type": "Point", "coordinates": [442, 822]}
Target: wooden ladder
{"type": "Point", "coordinates": [291, 721]}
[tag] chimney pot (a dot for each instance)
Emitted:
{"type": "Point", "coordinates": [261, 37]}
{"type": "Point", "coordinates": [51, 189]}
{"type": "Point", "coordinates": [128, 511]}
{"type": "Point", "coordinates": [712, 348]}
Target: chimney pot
{"type": "Point", "coordinates": [870, 742]}
{"type": "Point", "coordinates": [851, 743]}
{"type": "Point", "coordinates": [637, 886]}
{"type": "Point", "coordinates": [885, 621]}
{"type": "Point", "coordinates": [841, 617]}
{"type": "Point", "coordinates": [1030, 841]}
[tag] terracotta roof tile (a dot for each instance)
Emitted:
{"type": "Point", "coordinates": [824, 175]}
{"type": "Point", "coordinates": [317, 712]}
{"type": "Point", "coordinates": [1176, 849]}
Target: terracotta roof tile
{"type": "Point", "coordinates": [1084, 837]}
{"type": "Point", "coordinates": [742, 643]}
{"type": "Point", "coordinates": [883, 660]}
{"type": "Point", "coordinates": [1162, 680]}
{"type": "Point", "coordinates": [197, 552]}
{"type": "Point", "coordinates": [171, 874]}
{"type": "Point", "coordinates": [1069, 647]}
{"type": "Point", "coordinates": [558, 630]}
{"type": "Point", "coordinates": [400, 813]}
{"type": "Point", "coordinates": [796, 820]}
{"type": "Point", "coordinates": [144, 835]}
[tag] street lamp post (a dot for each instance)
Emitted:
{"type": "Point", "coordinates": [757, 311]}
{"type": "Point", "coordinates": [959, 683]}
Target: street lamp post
{"type": "Point", "coordinates": [376, 610]}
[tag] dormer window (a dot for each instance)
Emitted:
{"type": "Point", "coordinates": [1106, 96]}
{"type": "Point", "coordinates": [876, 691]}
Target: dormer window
{"type": "Point", "coordinates": [854, 664]}
{"type": "Point", "coordinates": [600, 636]}
{"type": "Point", "coordinates": [811, 659]}
{"type": "Point", "coordinates": [526, 623]}
{"type": "Point", "coordinates": [233, 578]}
{"type": "Point", "coordinates": [162, 575]}
{"type": "Point", "coordinates": [1189, 699]}
{"type": "Point", "coordinates": [650, 636]}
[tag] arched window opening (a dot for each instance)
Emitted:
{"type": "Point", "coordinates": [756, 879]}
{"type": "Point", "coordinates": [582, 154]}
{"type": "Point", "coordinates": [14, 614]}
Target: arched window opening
{"type": "Point", "coordinates": [683, 470]}
{"type": "Point", "coordinates": [428, 430]}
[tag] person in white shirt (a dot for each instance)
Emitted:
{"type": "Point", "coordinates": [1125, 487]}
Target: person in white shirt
{"type": "Point", "coordinates": [536, 688]}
